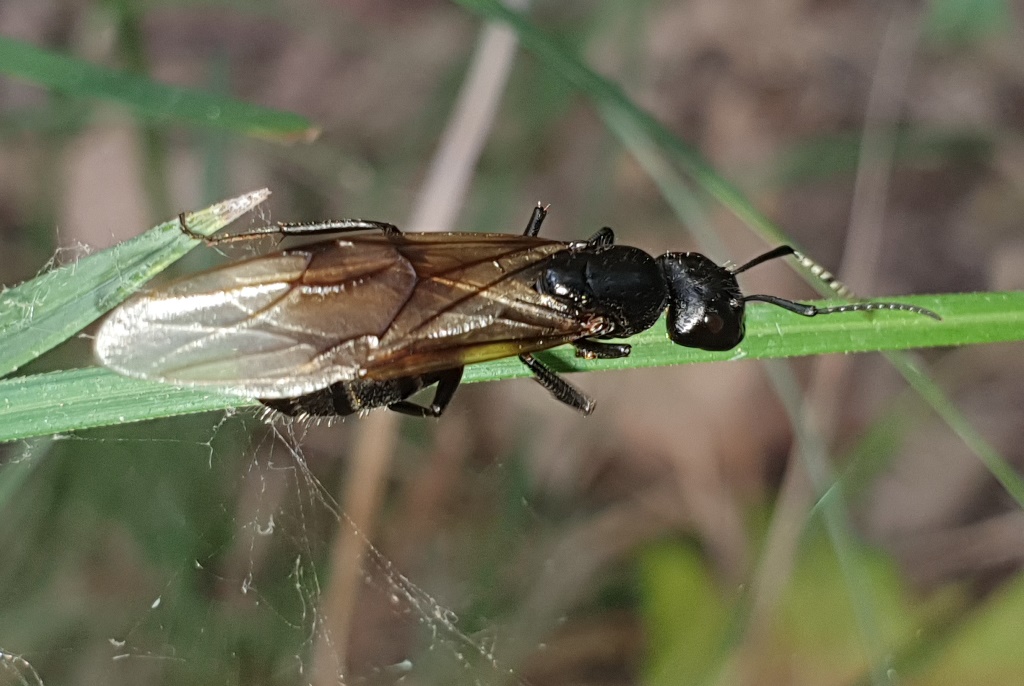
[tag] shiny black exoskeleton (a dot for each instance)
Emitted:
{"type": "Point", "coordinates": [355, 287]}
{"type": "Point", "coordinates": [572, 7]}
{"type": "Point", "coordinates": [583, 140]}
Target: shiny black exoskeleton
{"type": "Point", "coordinates": [621, 287]}
{"type": "Point", "coordinates": [631, 289]}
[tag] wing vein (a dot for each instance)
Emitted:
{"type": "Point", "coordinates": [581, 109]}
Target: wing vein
{"type": "Point", "coordinates": [475, 291]}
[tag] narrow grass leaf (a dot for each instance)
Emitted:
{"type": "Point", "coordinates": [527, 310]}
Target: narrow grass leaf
{"type": "Point", "coordinates": [1004, 473]}
{"type": "Point", "coordinates": [148, 98]}
{"type": "Point", "coordinates": [44, 312]}
{"type": "Point", "coordinates": [59, 402]}
{"type": "Point", "coordinates": [78, 399]}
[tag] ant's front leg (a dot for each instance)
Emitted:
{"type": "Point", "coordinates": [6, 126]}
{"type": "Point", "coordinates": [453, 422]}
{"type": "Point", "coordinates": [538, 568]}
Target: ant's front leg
{"type": "Point", "coordinates": [596, 350]}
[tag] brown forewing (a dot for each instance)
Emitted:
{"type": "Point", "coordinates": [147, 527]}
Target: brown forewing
{"type": "Point", "coordinates": [288, 323]}
{"type": "Point", "coordinates": [474, 301]}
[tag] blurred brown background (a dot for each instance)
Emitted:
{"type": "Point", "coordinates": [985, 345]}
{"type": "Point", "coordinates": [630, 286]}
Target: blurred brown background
{"type": "Point", "coordinates": [664, 539]}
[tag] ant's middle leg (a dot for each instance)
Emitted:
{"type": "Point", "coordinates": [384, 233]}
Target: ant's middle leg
{"type": "Point", "coordinates": [447, 383]}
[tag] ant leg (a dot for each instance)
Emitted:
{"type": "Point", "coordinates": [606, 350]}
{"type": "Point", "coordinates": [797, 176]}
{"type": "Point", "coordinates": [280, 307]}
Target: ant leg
{"type": "Point", "coordinates": [596, 350]}
{"type": "Point", "coordinates": [557, 386]}
{"type": "Point", "coordinates": [447, 382]}
{"type": "Point", "coordinates": [536, 219]}
{"type": "Point", "coordinates": [602, 238]}
{"type": "Point", "coordinates": [333, 226]}
{"type": "Point", "coordinates": [293, 229]}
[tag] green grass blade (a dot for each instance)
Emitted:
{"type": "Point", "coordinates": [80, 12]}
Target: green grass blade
{"type": "Point", "coordinates": [148, 98]}
{"type": "Point", "coordinates": [58, 402]}
{"type": "Point", "coordinates": [968, 318]}
{"type": "Point", "coordinates": [78, 399]}
{"type": "Point", "coordinates": [44, 312]}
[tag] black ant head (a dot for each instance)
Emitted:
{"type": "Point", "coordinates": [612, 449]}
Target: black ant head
{"type": "Point", "coordinates": [705, 306]}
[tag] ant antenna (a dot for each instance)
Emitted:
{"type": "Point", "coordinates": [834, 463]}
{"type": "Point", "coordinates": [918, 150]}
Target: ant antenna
{"type": "Point", "coordinates": [806, 262]}
{"type": "Point", "coordinates": [827, 278]}
{"type": "Point", "coordinates": [780, 251]}
{"type": "Point", "coordinates": [812, 311]}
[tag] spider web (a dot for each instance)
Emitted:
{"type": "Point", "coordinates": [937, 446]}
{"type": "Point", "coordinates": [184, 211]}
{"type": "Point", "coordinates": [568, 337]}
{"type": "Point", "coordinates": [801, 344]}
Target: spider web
{"type": "Point", "coordinates": [224, 584]}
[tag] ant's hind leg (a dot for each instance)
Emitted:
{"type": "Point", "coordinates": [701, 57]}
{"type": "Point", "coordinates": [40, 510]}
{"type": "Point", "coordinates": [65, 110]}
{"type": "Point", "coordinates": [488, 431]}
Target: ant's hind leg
{"type": "Point", "coordinates": [284, 229]}
{"type": "Point", "coordinates": [557, 386]}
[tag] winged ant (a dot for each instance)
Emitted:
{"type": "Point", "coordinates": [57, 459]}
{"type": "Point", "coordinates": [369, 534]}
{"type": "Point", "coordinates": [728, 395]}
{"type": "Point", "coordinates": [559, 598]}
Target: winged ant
{"type": "Point", "coordinates": [366, 320]}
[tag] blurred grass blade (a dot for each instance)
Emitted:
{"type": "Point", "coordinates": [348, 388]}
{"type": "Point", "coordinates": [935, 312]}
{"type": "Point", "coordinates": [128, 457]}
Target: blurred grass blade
{"type": "Point", "coordinates": [648, 140]}
{"type": "Point", "coordinates": [44, 312]}
{"type": "Point", "coordinates": [1004, 473]}
{"type": "Point", "coordinates": [812, 450]}
{"type": "Point", "coordinates": [146, 97]}
{"type": "Point", "coordinates": [96, 397]}
{"type": "Point", "coordinates": [618, 110]}
{"type": "Point", "coordinates": [963, 22]}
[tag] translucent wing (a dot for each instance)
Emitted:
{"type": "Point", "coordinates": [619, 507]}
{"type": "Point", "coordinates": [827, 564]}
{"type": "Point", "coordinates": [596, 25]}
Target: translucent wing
{"type": "Point", "coordinates": [474, 301]}
{"type": "Point", "coordinates": [292, 322]}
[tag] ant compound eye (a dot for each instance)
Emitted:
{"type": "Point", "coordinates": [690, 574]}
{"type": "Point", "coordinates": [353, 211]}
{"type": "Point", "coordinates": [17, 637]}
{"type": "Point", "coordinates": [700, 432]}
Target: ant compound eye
{"type": "Point", "coordinates": [713, 322]}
